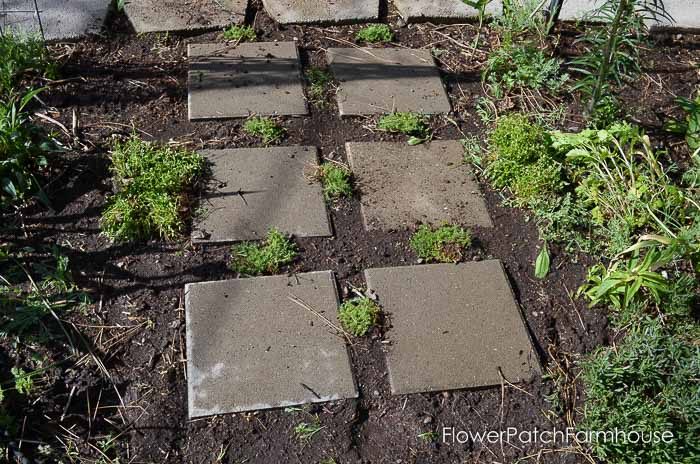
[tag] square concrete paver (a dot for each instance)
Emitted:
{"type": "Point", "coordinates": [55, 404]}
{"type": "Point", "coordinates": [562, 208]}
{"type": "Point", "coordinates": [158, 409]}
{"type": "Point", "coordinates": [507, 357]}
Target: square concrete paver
{"type": "Point", "coordinates": [261, 78]}
{"type": "Point", "coordinates": [61, 19]}
{"type": "Point", "coordinates": [250, 347]}
{"type": "Point", "coordinates": [183, 15]}
{"type": "Point", "coordinates": [382, 80]}
{"type": "Point", "coordinates": [453, 326]}
{"type": "Point", "coordinates": [401, 185]}
{"type": "Point", "coordinates": [254, 189]}
{"type": "Point", "coordinates": [430, 10]}
{"type": "Point", "coordinates": [322, 11]}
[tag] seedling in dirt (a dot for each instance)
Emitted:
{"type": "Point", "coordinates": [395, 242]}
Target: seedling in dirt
{"type": "Point", "coordinates": [23, 381]}
{"type": "Point", "coordinates": [411, 124]}
{"type": "Point", "coordinates": [444, 244]}
{"type": "Point", "coordinates": [336, 179]}
{"type": "Point", "coordinates": [151, 183]}
{"type": "Point", "coordinates": [250, 258]}
{"type": "Point", "coordinates": [319, 79]}
{"type": "Point", "coordinates": [542, 263]}
{"type": "Point", "coordinates": [305, 431]}
{"type": "Point", "coordinates": [265, 128]}
{"type": "Point", "coordinates": [473, 152]}
{"type": "Point", "coordinates": [240, 33]}
{"type": "Point", "coordinates": [358, 315]}
{"type": "Point", "coordinates": [375, 33]}
{"type": "Point", "coordinates": [428, 437]}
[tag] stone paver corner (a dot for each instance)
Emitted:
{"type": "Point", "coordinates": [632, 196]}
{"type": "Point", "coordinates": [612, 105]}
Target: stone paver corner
{"type": "Point", "coordinates": [61, 19]}
{"type": "Point", "coordinates": [262, 78]}
{"type": "Point", "coordinates": [183, 15]}
{"type": "Point", "coordinates": [401, 185]}
{"type": "Point", "coordinates": [251, 347]}
{"type": "Point", "coordinates": [322, 11]}
{"type": "Point", "coordinates": [425, 10]}
{"type": "Point", "coordinates": [453, 326]}
{"type": "Point", "coordinates": [382, 80]}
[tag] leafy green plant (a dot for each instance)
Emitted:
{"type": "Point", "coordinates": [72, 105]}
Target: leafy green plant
{"type": "Point", "coordinates": [520, 18]}
{"type": "Point", "coordinates": [265, 128]}
{"type": "Point", "coordinates": [375, 33]}
{"type": "Point", "coordinates": [606, 113]}
{"type": "Point", "coordinates": [250, 258]}
{"type": "Point", "coordinates": [358, 315]}
{"type": "Point", "coordinates": [305, 431]}
{"type": "Point", "coordinates": [690, 127]}
{"type": "Point", "coordinates": [151, 186]}
{"type": "Point", "coordinates": [612, 50]}
{"type": "Point", "coordinates": [336, 179]}
{"type": "Point", "coordinates": [240, 33]}
{"type": "Point", "coordinates": [542, 263]}
{"type": "Point", "coordinates": [444, 244]}
{"type": "Point", "coordinates": [521, 65]}
{"type": "Point", "coordinates": [319, 80]}
{"type": "Point", "coordinates": [23, 381]}
{"type": "Point", "coordinates": [21, 56]}
{"type": "Point", "coordinates": [411, 124]}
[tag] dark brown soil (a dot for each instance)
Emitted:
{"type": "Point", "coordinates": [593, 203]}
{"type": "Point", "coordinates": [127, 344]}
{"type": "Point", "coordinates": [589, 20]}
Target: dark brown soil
{"type": "Point", "coordinates": [119, 83]}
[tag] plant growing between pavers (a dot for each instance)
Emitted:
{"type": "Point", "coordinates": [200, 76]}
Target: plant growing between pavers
{"type": "Point", "coordinates": [359, 315]}
{"type": "Point", "coordinates": [443, 244]}
{"type": "Point", "coordinates": [240, 33]}
{"type": "Point", "coordinates": [151, 184]}
{"type": "Point", "coordinates": [336, 180]}
{"type": "Point", "coordinates": [319, 80]}
{"type": "Point", "coordinates": [412, 124]}
{"type": "Point", "coordinates": [375, 33]}
{"type": "Point", "coordinates": [264, 128]}
{"type": "Point", "coordinates": [251, 259]}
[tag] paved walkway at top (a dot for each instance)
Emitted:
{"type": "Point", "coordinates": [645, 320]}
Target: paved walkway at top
{"type": "Point", "coordinates": [437, 10]}
{"type": "Point", "coordinates": [61, 19]}
{"type": "Point", "coordinates": [183, 15]}
{"type": "Point", "coordinates": [685, 13]}
{"type": "Point", "coordinates": [322, 11]}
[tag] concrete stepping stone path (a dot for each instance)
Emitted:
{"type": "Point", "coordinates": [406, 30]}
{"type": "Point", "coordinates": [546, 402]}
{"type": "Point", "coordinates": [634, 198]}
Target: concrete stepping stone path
{"type": "Point", "coordinates": [61, 19]}
{"type": "Point", "coordinates": [322, 11]}
{"type": "Point", "coordinates": [183, 15]}
{"type": "Point", "coordinates": [262, 78]}
{"type": "Point", "coordinates": [382, 80]}
{"type": "Point", "coordinates": [251, 347]}
{"type": "Point", "coordinates": [401, 185]}
{"type": "Point", "coordinates": [453, 326]}
{"type": "Point", "coordinates": [426, 10]}
{"type": "Point", "coordinates": [254, 189]}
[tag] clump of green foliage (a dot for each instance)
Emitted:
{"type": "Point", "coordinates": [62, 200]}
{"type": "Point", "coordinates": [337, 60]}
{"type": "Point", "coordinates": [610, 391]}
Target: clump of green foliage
{"type": "Point", "coordinates": [265, 128]}
{"type": "Point", "coordinates": [522, 65]}
{"type": "Point", "coordinates": [445, 244]}
{"type": "Point", "coordinates": [151, 185]}
{"type": "Point", "coordinates": [22, 56]}
{"type": "Point", "coordinates": [305, 431]}
{"type": "Point", "coordinates": [336, 179]}
{"type": "Point", "coordinates": [358, 315]}
{"type": "Point", "coordinates": [375, 33]}
{"type": "Point", "coordinates": [253, 259]}
{"type": "Point", "coordinates": [690, 126]}
{"type": "Point", "coordinates": [319, 80]}
{"type": "Point", "coordinates": [240, 33]}
{"type": "Point", "coordinates": [520, 159]}
{"type": "Point", "coordinates": [411, 124]}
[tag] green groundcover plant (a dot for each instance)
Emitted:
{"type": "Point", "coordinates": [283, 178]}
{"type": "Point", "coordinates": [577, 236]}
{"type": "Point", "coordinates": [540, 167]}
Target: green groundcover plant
{"type": "Point", "coordinates": [151, 184]}
{"type": "Point", "coordinates": [250, 258]}
{"type": "Point", "coordinates": [444, 244]}
{"type": "Point", "coordinates": [358, 315]}
{"type": "Point", "coordinates": [375, 33]}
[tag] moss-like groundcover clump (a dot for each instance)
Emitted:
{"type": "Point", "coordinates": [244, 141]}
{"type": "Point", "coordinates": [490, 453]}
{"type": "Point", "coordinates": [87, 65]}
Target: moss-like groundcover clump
{"type": "Point", "coordinates": [375, 33]}
{"type": "Point", "coordinates": [152, 184]}
{"type": "Point", "coordinates": [358, 315]}
{"type": "Point", "coordinates": [445, 244]}
{"type": "Point", "coordinates": [240, 33]}
{"type": "Point", "coordinates": [265, 128]}
{"type": "Point", "coordinates": [411, 124]}
{"type": "Point", "coordinates": [253, 259]}
{"type": "Point", "coordinates": [336, 179]}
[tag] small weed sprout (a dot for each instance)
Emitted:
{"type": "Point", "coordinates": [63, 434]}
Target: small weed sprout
{"type": "Point", "coordinates": [358, 315]}
{"type": "Point", "coordinates": [336, 179]}
{"type": "Point", "coordinates": [473, 152]}
{"type": "Point", "coordinates": [319, 80]}
{"type": "Point", "coordinates": [252, 259]}
{"type": "Point", "coordinates": [151, 184]}
{"type": "Point", "coordinates": [305, 431]}
{"type": "Point", "coordinates": [428, 437]}
{"type": "Point", "coordinates": [445, 244]}
{"type": "Point", "coordinates": [375, 33]}
{"type": "Point", "coordinates": [23, 381]}
{"type": "Point", "coordinates": [240, 33]}
{"type": "Point", "coordinates": [411, 124]}
{"type": "Point", "coordinates": [264, 128]}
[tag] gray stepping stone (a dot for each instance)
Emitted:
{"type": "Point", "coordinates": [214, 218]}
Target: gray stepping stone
{"type": "Point", "coordinates": [437, 10]}
{"type": "Point", "coordinates": [61, 19]}
{"type": "Point", "coordinates": [183, 15]}
{"type": "Point", "coordinates": [322, 11]}
{"type": "Point", "coordinates": [382, 80]}
{"type": "Point", "coordinates": [254, 189]}
{"type": "Point", "coordinates": [261, 78]}
{"type": "Point", "coordinates": [453, 326]}
{"type": "Point", "coordinates": [401, 185]}
{"type": "Point", "coordinates": [250, 347]}
{"type": "Point", "coordinates": [685, 13]}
